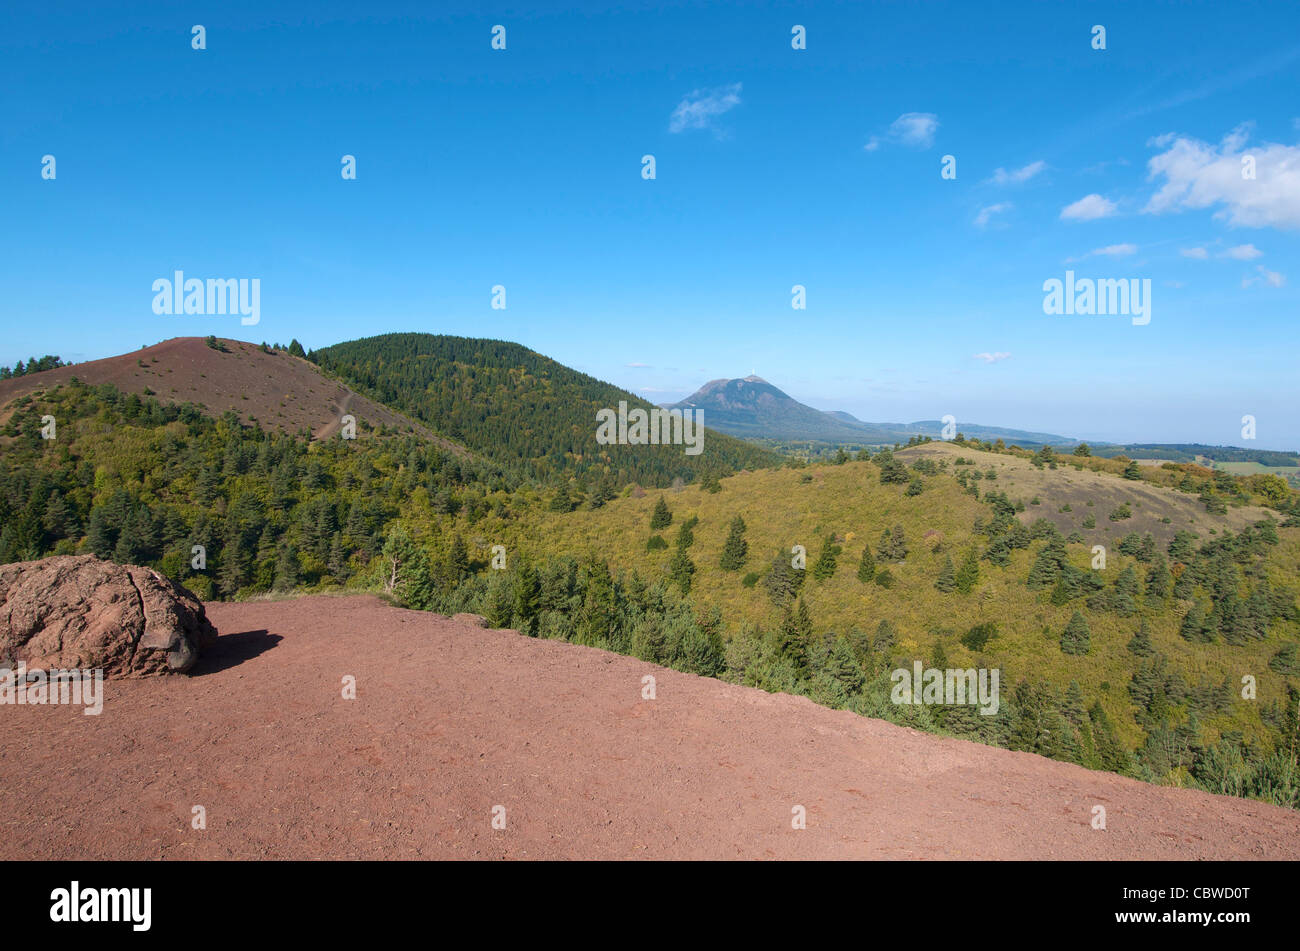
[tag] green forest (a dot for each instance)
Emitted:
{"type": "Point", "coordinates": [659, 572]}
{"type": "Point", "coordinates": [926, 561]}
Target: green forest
{"type": "Point", "coordinates": [519, 408]}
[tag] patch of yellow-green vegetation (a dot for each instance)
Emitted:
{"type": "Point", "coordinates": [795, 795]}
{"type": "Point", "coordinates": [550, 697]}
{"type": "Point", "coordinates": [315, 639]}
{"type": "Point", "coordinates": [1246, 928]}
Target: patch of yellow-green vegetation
{"type": "Point", "coordinates": [786, 507]}
{"type": "Point", "coordinates": [1150, 504]}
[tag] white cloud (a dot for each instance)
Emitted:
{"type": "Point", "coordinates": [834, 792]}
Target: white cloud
{"type": "Point", "coordinates": [987, 212]}
{"type": "Point", "coordinates": [1089, 208]}
{"type": "Point", "coordinates": [914, 129]}
{"type": "Point", "coordinates": [1199, 254]}
{"type": "Point", "coordinates": [1243, 252]}
{"type": "Point", "coordinates": [1200, 175]}
{"type": "Point", "coordinates": [698, 109]}
{"type": "Point", "coordinates": [1002, 177]}
{"type": "Point", "coordinates": [638, 366]}
{"type": "Point", "coordinates": [1116, 250]}
{"type": "Point", "coordinates": [993, 357]}
{"type": "Point", "coordinates": [1272, 278]}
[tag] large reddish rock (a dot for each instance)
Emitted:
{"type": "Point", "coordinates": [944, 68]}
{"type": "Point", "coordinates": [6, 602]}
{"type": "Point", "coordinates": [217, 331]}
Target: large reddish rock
{"type": "Point", "coordinates": [81, 612]}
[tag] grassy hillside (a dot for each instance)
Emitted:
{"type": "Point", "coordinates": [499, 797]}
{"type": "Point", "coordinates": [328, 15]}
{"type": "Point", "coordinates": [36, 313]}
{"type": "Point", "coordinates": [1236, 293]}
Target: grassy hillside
{"type": "Point", "coordinates": [783, 508]}
{"type": "Point", "coordinates": [1170, 698]}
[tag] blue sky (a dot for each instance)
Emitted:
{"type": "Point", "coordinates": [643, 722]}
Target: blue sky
{"type": "Point", "coordinates": [775, 167]}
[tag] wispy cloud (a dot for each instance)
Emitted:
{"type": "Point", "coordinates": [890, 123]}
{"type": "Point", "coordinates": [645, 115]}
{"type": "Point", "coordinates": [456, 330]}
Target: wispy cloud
{"type": "Point", "coordinates": [638, 366]}
{"type": "Point", "coordinates": [987, 212]}
{"type": "Point", "coordinates": [1243, 252]}
{"type": "Point", "coordinates": [1089, 208]}
{"type": "Point", "coordinates": [1199, 254]}
{"type": "Point", "coordinates": [1223, 80]}
{"type": "Point", "coordinates": [993, 357]}
{"type": "Point", "coordinates": [1272, 278]}
{"type": "Point", "coordinates": [701, 107]}
{"type": "Point", "coordinates": [1200, 175]}
{"type": "Point", "coordinates": [1114, 250]}
{"type": "Point", "coordinates": [913, 129]}
{"type": "Point", "coordinates": [1016, 176]}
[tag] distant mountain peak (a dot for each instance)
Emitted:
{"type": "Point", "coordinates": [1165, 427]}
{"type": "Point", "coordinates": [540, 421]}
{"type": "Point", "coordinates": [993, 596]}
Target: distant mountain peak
{"type": "Point", "coordinates": [751, 407]}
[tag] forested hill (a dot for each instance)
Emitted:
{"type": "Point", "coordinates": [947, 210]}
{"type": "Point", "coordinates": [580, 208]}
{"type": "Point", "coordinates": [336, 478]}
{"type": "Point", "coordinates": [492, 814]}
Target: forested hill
{"type": "Point", "coordinates": [520, 409]}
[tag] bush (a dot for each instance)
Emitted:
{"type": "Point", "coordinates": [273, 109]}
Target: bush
{"type": "Point", "coordinates": [978, 636]}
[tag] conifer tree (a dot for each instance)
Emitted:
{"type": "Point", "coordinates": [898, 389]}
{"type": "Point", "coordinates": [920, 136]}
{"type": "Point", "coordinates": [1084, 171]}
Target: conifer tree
{"type": "Point", "coordinates": [968, 575]}
{"type": "Point", "coordinates": [735, 549]}
{"type": "Point", "coordinates": [947, 580]}
{"type": "Point", "coordinates": [681, 569]}
{"type": "Point", "coordinates": [661, 517]}
{"type": "Point", "coordinates": [794, 635]}
{"type": "Point", "coordinates": [886, 636]}
{"type": "Point", "coordinates": [1140, 644]}
{"type": "Point", "coordinates": [1076, 638]}
{"type": "Point", "coordinates": [866, 567]}
{"type": "Point", "coordinates": [782, 581]}
{"type": "Point", "coordinates": [1158, 579]}
{"type": "Point", "coordinates": [825, 565]}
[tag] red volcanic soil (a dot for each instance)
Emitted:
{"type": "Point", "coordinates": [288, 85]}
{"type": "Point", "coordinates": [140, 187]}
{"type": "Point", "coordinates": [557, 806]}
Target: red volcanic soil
{"type": "Point", "coordinates": [276, 390]}
{"type": "Point", "coordinates": [451, 720]}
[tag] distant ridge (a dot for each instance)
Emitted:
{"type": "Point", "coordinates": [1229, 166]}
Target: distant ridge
{"type": "Point", "coordinates": [752, 408]}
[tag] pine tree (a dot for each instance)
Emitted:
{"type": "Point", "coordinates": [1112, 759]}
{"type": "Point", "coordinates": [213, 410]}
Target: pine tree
{"type": "Point", "coordinates": [1158, 579]}
{"type": "Point", "coordinates": [867, 566]}
{"type": "Point", "coordinates": [99, 537]}
{"type": "Point", "coordinates": [968, 575]}
{"type": "Point", "coordinates": [527, 596]}
{"type": "Point", "coordinates": [457, 561]}
{"type": "Point", "coordinates": [1110, 754]}
{"type": "Point", "coordinates": [337, 563]}
{"type": "Point", "coordinates": [783, 581]}
{"type": "Point", "coordinates": [681, 569]}
{"type": "Point", "coordinates": [1140, 644]}
{"type": "Point", "coordinates": [735, 549]}
{"type": "Point", "coordinates": [562, 502]}
{"type": "Point", "coordinates": [686, 537]}
{"type": "Point", "coordinates": [1073, 706]}
{"type": "Point", "coordinates": [1126, 592]}
{"type": "Point", "coordinates": [57, 518]}
{"type": "Point", "coordinates": [794, 636]}
{"type": "Point", "coordinates": [1194, 627]}
{"type": "Point", "coordinates": [893, 544]}
{"type": "Point", "coordinates": [825, 565]}
{"type": "Point", "coordinates": [886, 636]}
{"type": "Point", "coordinates": [1180, 549]}
{"type": "Point", "coordinates": [1076, 639]}
{"type": "Point", "coordinates": [661, 517]}
{"type": "Point", "coordinates": [947, 580]}
{"type": "Point", "coordinates": [286, 567]}
{"type": "Point", "coordinates": [230, 569]}
{"type": "Point", "coordinates": [1049, 563]}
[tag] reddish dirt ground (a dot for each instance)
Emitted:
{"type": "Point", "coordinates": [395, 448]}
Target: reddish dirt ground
{"type": "Point", "coordinates": [452, 720]}
{"type": "Point", "coordinates": [279, 391]}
